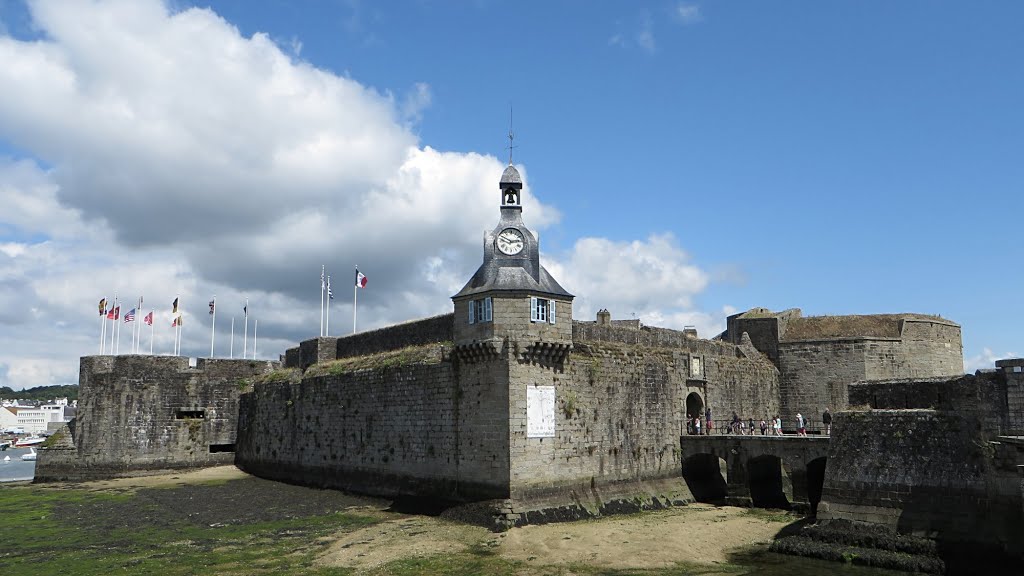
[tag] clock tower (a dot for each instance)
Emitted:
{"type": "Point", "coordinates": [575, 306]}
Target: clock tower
{"type": "Point", "coordinates": [512, 300]}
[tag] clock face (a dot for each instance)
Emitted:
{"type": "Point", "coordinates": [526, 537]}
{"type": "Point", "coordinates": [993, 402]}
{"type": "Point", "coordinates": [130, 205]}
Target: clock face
{"type": "Point", "coordinates": [510, 241]}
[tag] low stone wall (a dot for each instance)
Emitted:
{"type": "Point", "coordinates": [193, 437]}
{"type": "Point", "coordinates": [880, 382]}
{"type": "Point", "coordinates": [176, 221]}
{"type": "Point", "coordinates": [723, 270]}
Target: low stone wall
{"type": "Point", "coordinates": [923, 472]}
{"type": "Point", "coordinates": [143, 414]}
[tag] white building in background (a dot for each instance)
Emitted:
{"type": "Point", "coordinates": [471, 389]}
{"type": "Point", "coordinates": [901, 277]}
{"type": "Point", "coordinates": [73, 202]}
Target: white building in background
{"type": "Point", "coordinates": [36, 419]}
{"type": "Point", "coordinates": [8, 418]}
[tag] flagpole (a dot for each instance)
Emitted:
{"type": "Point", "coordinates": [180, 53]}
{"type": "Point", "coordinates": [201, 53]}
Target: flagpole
{"type": "Point", "coordinates": [355, 300]}
{"type": "Point", "coordinates": [152, 331]}
{"type": "Point", "coordinates": [328, 331]}
{"type": "Point", "coordinates": [245, 340]}
{"type": "Point", "coordinates": [103, 327]}
{"type": "Point", "coordinates": [117, 350]}
{"type": "Point", "coordinates": [138, 323]}
{"type": "Point", "coordinates": [213, 325]}
{"type": "Point", "coordinates": [232, 356]}
{"type": "Point", "coordinates": [323, 268]}
{"type": "Point", "coordinates": [112, 330]}
{"type": "Point", "coordinates": [254, 328]}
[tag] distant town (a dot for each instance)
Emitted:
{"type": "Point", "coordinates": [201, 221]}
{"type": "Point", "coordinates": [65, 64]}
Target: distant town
{"type": "Point", "coordinates": [36, 411]}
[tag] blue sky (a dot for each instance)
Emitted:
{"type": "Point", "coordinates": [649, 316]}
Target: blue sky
{"type": "Point", "coordinates": [684, 160]}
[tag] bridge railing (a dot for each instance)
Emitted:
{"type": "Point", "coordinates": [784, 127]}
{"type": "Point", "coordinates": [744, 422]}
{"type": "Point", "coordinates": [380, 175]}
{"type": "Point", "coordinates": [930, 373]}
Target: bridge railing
{"type": "Point", "coordinates": [727, 427]}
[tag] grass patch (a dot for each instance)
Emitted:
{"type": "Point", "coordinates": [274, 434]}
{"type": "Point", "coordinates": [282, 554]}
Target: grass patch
{"type": "Point", "coordinates": [51, 531]}
{"type": "Point", "coordinates": [771, 515]}
{"type": "Point", "coordinates": [429, 354]}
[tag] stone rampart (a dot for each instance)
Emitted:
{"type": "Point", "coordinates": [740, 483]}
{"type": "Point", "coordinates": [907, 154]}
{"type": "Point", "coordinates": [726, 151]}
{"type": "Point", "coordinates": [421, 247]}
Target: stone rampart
{"type": "Point", "coordinates": [433, 330]}
{"type": "Point", "coordinates": [924, 472]}
{"type": "Point", "coordinates": [400, 427]}
{"type": "Point", "coordinates": [982, 397]}
{"type": "Point", "coordinates": [141, 414]}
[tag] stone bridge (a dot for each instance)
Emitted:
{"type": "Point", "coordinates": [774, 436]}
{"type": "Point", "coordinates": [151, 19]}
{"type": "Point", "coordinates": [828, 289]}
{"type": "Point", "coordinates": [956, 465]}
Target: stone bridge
{"type": "Point", "coordinates": [762, 471]}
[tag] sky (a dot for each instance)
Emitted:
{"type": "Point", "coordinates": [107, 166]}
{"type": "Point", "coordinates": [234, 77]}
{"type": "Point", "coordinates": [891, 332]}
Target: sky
{"type": "Point", "coordinates": [683, 160]}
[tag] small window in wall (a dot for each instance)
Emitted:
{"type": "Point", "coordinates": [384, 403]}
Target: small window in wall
{"type": "Point", "coordinates": [480, 310]}
{"type": "Point", "coordinates": [215, 448]}
{"type": "Point", "coordinates": [190, 414]}
{"type": "Point", "coordinates": [542, 310]}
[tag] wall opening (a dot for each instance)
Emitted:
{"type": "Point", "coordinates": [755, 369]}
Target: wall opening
{"type": "Point", "coordinates": [190, 414]}
{"type": "Point", "coordinates": [215, 448]}
{"type": "Point", "coordinates": [705, 476]}
{"type": "Point", "coordinates": [694, 406]}
{"type": "Point", "coordinates": [767, 488]}
{"type": "Point", "coordinates": [815, 482]}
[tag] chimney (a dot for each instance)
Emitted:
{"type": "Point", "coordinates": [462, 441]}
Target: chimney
{"type": "Point", "coordinates": [604, 317]}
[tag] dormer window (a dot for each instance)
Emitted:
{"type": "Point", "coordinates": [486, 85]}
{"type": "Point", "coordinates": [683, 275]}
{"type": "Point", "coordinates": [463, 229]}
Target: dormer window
{"type": "Point", "coordinates": [542, 310]}
{"type": "Point", "coordinates": [480, 310]}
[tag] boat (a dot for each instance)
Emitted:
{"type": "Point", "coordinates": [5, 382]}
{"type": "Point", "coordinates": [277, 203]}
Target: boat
{"type": "Point", "coordinates": [30, 441]}
{"type": "Point", "coordinates": [30, 456]}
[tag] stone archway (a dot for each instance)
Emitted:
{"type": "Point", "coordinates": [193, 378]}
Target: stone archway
{"type": "Point", "coordinates": [694, 406]}
{"type": "Point", "coordinates": [706, 475]}
{"type": "Point", "coordinates": [815, 482]}
{"type": "Point", "coordinates": [768, 483]}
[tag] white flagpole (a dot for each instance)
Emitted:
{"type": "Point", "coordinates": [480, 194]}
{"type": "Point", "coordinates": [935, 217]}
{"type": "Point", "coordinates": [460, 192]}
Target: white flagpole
{"type": "Point", "coordinates": [323, 268]}
{"type": "Point", "coordinates": [232, 356]}
{"type": "Point", "coordinates": [152, 332]}
{"type": "Point", "coordinates": [245, 340]}
{"type": "Point", "coordinates": [138, 322]}
{"type": "Point", "coordinates": [254, 328]}
{"type": "Point", "coordinates": [355, 299]}
{"type": "Point", "coordinates": [103, 327]}
{"type": "Point", "coordinates": [113, 328]}
{"type": "Point", "coordinates": [213, 324]}
{"type": "Point", "coordinates": [117, 350]}
{"type": "Point", "coordinates": [328, 331]}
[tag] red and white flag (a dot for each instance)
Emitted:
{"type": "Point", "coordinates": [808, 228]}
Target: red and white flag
{"type": "Point", "coordinates": [148, 319]}
{"type": "Point", "coordinates": [360, 279]}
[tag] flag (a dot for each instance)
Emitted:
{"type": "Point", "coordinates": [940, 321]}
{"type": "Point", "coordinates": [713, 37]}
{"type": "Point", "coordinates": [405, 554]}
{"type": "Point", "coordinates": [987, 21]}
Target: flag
{"type": "Point", "coordinates": [129, 316]}
{"type": "Point", "coordinates": [174, 306]}
{"type": "Point", "coordinates": [360, 279]}
{"type": "Point", "coordinates": [149, 319]}
{"type": "Point", "coordinates": [176, 321]}
{"type": "Point", "coordinates": [212, 304]}
{"type": "Point", "coordinates": [110, 313]}
{"type": "Point", "coordinates": [103, 306]}
{"type": "Point", "coordinates": [117, 312]}
{"type": "Point", "coordinates": [329, 293]}
{"type": "Point", "coordinates": [321, 278]}
{"type": "Point", "coordinates": [245, 310]}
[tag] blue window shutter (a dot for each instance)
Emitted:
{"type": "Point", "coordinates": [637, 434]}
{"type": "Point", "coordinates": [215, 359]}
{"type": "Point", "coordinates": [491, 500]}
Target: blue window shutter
{"type": "Point", "coordinates": [472, 311]}
{"type": "Point", "coordinates": [551, 312]}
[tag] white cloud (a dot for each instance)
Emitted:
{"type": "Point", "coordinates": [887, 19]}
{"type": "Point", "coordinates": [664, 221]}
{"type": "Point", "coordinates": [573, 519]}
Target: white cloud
{"type": "Point", "coordinates": [652, 280]}
{"type": "Point", "coordinates": [645, 36]}
{"type": "Point", "coordinates": [986, 359]}
{"type": "Point", "coordinates": [187, 159]}
{"type": "Point", "coordinates": [687, 12]}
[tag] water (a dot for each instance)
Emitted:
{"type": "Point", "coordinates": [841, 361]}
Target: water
{"type": "Point", "coordinates": [16, 469]}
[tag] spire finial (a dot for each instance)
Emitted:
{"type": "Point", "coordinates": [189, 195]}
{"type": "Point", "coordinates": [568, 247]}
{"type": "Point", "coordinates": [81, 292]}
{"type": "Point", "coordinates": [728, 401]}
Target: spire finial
{"type": "Point", "coordinates": [511, 135]}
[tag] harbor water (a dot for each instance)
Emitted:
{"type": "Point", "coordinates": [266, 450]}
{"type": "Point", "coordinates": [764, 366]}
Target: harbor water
{"type": "Point", "coordinates": [16, 469]}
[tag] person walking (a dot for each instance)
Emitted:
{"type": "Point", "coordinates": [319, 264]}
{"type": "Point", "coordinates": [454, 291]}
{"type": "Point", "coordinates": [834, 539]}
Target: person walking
{"type": "Point", "coordinates": [735, 424]}
{"type": "Point", "coordinates": [696, 424]}
{"type": "Point", "coordinates": [750, 426]}
{"type": "Point", "coordinates": [707, 421]}
{"type": "Point", "coordinates": [801, 429]}
{"type": "Point", "coordinates": [826, 419]}
{"type": "Point", "coordinates": [777, 425]}
{"type": "Point", "coordinates": [764, 427]}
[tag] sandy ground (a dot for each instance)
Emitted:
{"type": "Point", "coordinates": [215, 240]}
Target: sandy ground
{"type": "Point", "coordinates": [698, 533]}
{"type": "Point", "coordinates": [695, 534]}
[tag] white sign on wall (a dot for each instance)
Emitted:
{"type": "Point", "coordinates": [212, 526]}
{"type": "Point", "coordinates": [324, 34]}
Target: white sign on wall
{"type": "Point", "coordinates": [540, 411]}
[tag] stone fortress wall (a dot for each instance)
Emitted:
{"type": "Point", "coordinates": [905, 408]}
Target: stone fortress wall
{"type": "Point", "coordinates": [141, 414]}
{"type": "Point", "coordinates": [819, 356]}
{"type": "Point", "coordinates": [940, 457]}
{"type": "Point", "coordinates": [433, 420]}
